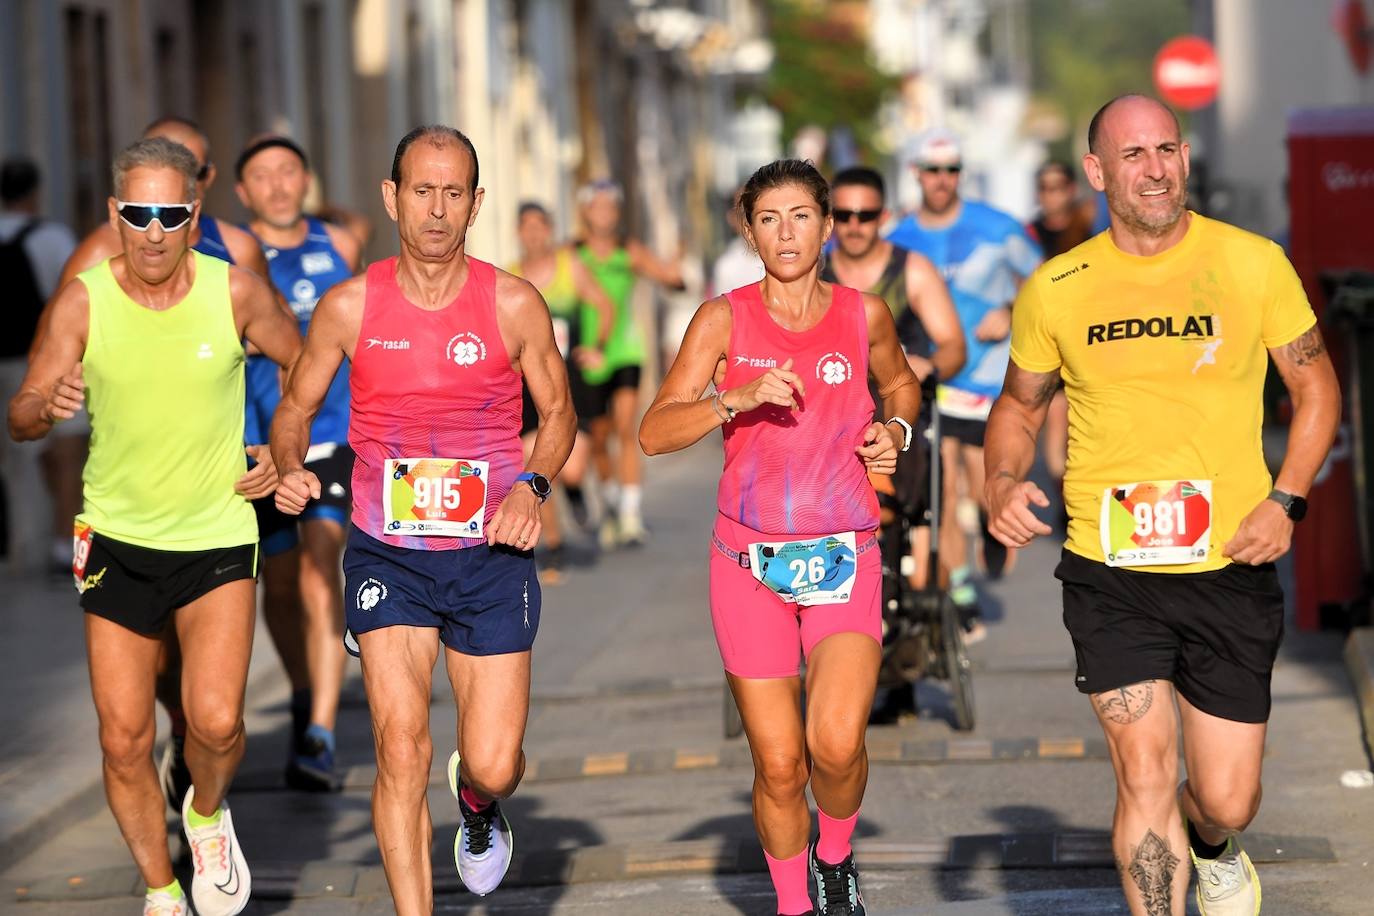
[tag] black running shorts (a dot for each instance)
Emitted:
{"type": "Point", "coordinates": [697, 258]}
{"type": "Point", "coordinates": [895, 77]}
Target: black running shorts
{"type": "Point", "coordinates": [1214, 635]}
{"type": "Point", "coordinates": [139, 588]}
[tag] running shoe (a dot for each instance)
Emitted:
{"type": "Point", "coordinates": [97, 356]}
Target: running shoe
{"type": "Point", "coordinates": [311, 768]}
{"type": "Point", "coordinates": [161, 903]}
{"type": "Point", "coordinates": [221, 884]}
{"type": "Point", "coordinates": [1227, 885]}
{"type": "Point", "coordinates": [172, 773]}
{"type": "Point", "coordinates": [837, 887]}
{"type": "Point", "coordinates": [483, 847]}
{"type": "Point", "coordinates": [608, 535]}
{"type": "Point", "coordinates": [632, 532]}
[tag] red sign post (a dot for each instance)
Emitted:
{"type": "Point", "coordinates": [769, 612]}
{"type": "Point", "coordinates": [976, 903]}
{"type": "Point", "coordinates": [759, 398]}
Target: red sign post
{"type": "Point", "coordinates": [1187, 73]}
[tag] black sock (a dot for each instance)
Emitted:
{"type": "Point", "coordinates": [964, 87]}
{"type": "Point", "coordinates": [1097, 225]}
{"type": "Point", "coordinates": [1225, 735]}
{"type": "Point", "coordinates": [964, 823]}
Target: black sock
{"type": "Point", "coordinates": [1201, 848]}
{"type": "Point", "coordinates": [575, 495]}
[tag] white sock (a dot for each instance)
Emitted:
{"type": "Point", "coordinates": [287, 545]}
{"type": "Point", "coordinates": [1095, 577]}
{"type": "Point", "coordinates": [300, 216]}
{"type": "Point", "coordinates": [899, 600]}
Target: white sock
{"type": "Point", "coordinates": [629, 501]}
{"type": "Point", "coordinates": [610, 496]}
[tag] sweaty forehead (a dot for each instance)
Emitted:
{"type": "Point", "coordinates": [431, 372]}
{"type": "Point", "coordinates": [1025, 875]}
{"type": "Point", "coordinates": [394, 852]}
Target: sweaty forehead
{"type": "Point", "coordinates": [425, 163]}
{"type": "Point", "coordinates": [154, 184]}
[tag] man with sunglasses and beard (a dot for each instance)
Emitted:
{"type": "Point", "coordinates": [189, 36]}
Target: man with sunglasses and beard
{"type": "Point", "coordinates": [218, 239]}
{"type": "Point", "coordinates": [984, 255]}
{"type": "Point", "coordinates": [152, 337]}
{"type": "Point", "coordinates": [929, 331]}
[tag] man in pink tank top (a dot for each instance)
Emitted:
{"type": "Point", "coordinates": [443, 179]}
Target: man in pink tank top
{"type": "Point", "coordinates": [445, 512]}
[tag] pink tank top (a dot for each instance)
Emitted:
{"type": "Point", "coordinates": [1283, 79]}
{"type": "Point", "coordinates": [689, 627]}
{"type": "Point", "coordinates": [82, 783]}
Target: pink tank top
{"type": "Point", "coordinates": [795, 472]}
{"type": "Point", "coordinates": [431, 383]}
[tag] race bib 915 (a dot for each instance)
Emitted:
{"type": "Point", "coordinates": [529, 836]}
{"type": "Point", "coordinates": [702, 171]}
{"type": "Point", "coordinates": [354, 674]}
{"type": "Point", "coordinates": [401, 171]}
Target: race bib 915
{"type": "Point", "coordinates": [435, 497]}
{"type": "Point", "coordinates": [1156, 523]}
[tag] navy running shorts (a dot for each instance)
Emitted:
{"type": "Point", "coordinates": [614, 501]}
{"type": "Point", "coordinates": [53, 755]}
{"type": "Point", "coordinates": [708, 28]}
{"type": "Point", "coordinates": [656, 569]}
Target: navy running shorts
{"type": "Point", "coordinates": [483, 600]}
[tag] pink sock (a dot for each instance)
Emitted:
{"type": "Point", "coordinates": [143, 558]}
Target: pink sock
{"type": "Point", "coordinates": [789, 881]}
{"type": "Point", "coordinates": [471, 800]}
{"type": "Point", "coordinates": [833, 846]}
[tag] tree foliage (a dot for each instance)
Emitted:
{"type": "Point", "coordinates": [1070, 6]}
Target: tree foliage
{"type": "Point", "coordinates": [1084, 52]}
{"type": "Point", "coordinates": [822, 72]}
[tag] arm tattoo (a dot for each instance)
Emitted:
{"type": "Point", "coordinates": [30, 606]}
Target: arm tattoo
{"type": "Point", "coordinates": [1048, 386]}
{"type": "Point", "coordinates": [1306, 349]}
{"type": "Point", "coordinates": [1152, 870]}
{"type": "Point", "coordinates": [1125, 704]}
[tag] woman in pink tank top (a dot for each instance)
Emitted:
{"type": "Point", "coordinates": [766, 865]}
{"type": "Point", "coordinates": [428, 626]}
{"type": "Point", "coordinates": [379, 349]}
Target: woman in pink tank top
{"type": "Point", "coordinates": [793, 569]}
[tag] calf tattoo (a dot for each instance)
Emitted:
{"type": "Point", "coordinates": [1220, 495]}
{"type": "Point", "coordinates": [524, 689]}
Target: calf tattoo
{"type": "Point", "coordinates": [1126, 704]}
{"type": "Point", "coordinates": [1152, 869]}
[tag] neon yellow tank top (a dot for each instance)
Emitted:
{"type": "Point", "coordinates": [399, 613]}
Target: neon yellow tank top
{"type": "Point", "coordinates": [165, 394]}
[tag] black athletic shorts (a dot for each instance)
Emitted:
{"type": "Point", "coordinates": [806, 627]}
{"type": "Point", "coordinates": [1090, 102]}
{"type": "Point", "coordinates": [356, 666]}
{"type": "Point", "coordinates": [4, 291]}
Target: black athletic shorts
{"type": "Point", "coordinates": [578, 389]}
{"type": "Point", "coordinates": [1214, 635]}
{"type": "Point", "coordinates": [597, 398]}
{"type": "Point", "coordinates": [968, 432]}
{"type": "Point", "coordinates": [276, 529]}
{"type": "Point", "coordinates": [139, 588]}
{"type": "Point", "coordinates": [911, 480]}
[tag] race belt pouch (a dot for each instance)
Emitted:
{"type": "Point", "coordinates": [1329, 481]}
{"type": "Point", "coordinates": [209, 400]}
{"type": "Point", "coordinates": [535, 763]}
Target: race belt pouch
{"type": "Point", "coordinates": [435, 497]}
{"type": "Point", "coordinates": [816, 571]}
{"type": "Point", "coordinates": [1156, 523]}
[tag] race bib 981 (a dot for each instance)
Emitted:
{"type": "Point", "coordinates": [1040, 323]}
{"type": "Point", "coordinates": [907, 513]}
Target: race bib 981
{"type": "Point", "coordinates": [435, 497]}
{"type": "Point", "coordinates": [1156, 523]}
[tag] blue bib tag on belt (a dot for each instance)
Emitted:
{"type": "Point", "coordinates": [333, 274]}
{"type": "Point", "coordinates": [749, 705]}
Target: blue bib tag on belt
{"type": "Point", "coordinates": [816, 571]}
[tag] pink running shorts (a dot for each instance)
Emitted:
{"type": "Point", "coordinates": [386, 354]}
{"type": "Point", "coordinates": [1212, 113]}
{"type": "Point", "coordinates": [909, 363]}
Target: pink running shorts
{"type": "Point", "coordinates": [762, 636]}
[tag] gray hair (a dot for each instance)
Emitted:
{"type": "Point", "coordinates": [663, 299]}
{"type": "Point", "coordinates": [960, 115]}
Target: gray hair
{"type": "Point", "coordinates": [156, 152]}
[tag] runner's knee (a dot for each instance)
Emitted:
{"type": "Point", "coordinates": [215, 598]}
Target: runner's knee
{"type": "Point", "coordinates": [215, 726]}
{"type": "Point", "coordinates": [1230, 808]}
{"type": "Point", "coordinates": [126, 747]}
{"type": "Point", "coordinates": [404, 753]}
{"type": "Point", "coordinates": [782, 775]}
{"type": "Point", "coordinates": [1147, 774]}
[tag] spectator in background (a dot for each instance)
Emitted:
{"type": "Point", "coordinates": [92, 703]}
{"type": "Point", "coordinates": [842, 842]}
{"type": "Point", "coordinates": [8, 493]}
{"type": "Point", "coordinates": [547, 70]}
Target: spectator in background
{"type": "Point", "coordinates": [738, 265]}
{"type": "Point", "coordinates": [32, 252]}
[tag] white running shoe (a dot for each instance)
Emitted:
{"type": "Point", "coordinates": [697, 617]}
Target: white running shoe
{"type": "Point", "coordinates": [222, 884]}
{"type": "Point", "coordinates": [1227, 885]}
{"type": "Point", "coordinates": [484, 845]}
{"type": "Point", "coordinates": [161, 903]}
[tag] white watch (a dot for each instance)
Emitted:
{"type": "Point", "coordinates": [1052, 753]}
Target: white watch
{"type": "Point", "coordinates": [906, 429]}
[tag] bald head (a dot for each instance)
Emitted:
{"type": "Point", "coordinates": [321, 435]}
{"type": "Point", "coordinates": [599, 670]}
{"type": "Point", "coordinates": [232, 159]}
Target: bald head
{"type": "Point", "coordinates": [1125, 112]}
{"type": "Point", "coordinates": [183, 131]}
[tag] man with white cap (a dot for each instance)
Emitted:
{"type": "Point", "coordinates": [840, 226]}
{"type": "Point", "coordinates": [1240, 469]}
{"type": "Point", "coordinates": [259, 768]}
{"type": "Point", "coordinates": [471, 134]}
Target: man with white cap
{"type": "Point", "coordinates": [984, 255]}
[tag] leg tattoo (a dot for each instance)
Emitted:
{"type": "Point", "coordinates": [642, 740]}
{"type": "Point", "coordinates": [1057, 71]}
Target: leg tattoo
{"type": "Point", "coordinates": [1152, 870]}
{"type": "Point", "coordinates": [1126, 704]}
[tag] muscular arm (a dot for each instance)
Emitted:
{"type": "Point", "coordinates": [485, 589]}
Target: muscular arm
{"type": "Point", "coordinates": [1014, 423]}
{"type": "Point", "coordinates": [897, 383]}
{"type": "Point", "coordinates": [52, 389]}
{"type": "Point", "coordinates": [524, 320]}
{"type": "Point", "coordinates": [1305, 368]}
{"type": "Point", "coordinates": [261, 320]}
{"type": "Point", "coordinates": [679, 417]}
{"type": "Point", "coordinates": [590, 291]}
{"type": "Point", "coordinates": [332, 335]}
{"type": "Point", "coordinates": [930, 300]}
{"type": "Point", "coordinates": [647, 264]}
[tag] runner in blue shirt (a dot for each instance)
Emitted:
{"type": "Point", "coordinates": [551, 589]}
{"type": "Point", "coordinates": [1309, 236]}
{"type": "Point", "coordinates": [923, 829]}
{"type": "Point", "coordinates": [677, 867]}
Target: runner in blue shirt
{"type": "Point", "coordinates": [305, 257]}
{"type": "Point", "coordinates": [984, 255]}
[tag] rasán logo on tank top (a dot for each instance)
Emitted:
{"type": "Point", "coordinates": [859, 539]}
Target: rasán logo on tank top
{"type": "Point", "coordinates": [834, 368]}
{"type": "Point", "coordinates": [1196, 327]}
{"type": "Point", "coordinates": [756, 362]}
{"type": "Point", "coordinates": [466, 349]}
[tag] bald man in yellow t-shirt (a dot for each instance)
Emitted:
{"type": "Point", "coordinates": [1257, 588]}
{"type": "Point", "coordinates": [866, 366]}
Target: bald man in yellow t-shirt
{"type": "Point", "coordinates": [1161, 330]}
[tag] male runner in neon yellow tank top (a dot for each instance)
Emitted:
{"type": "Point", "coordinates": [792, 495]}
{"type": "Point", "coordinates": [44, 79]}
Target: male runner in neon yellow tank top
{"type": "Point", "coordinates": [1162, 330]}
{"type": "Point", "coordinates": [150, 341]}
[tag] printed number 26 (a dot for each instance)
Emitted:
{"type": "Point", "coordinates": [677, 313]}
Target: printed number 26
{"type": "Point", "coordinates": [1162, 518]}
{"type": "Point", "coordinates": [812, 570]}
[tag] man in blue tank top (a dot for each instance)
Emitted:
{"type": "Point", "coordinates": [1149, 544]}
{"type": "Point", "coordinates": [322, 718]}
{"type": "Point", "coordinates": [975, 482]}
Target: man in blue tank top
{"type": "Point", "coordinates": [984, 255]}
{"type": "Point", "coordinates": [306, 257]}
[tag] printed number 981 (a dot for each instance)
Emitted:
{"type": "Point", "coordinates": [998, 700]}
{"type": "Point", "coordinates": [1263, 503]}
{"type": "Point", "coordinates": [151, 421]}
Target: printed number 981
{"type": "Point", "coordinates": [1161, 518]}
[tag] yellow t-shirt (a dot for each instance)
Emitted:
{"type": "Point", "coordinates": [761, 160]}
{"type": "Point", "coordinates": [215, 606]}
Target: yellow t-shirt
{"type": "Point", "coordinates": [1163, 360]}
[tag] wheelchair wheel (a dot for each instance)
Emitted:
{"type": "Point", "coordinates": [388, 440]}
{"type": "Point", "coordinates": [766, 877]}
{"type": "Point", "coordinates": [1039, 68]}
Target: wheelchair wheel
{"type": "Point", "coordinates": [958, 671]}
